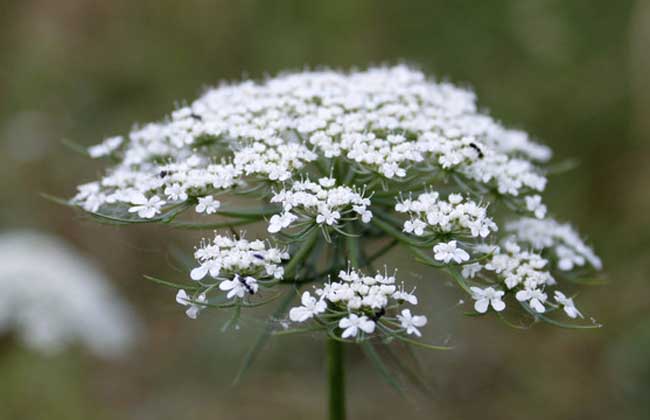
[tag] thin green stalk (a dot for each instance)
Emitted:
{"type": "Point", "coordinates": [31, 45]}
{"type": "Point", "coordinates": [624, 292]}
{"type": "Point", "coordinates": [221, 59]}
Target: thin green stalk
{"type": "Point", "coordinates": [336, 380]}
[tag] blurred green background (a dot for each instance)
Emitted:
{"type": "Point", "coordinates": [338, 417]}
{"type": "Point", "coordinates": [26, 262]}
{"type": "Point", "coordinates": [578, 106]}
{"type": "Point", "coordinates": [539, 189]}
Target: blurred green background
{"type": "Point", "coordinates": [574, 74]}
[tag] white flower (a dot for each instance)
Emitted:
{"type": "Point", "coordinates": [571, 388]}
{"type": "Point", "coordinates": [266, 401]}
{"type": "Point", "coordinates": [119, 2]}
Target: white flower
{"type": "Point", "coordinates": [194, 305]}
{"type": "Point", "coordinates": [146, 208]}
{"type": "Point", "coordinates": [412, 322]}
{"type": "Point", "coordinates": [279, 222]}
{"type": "Point", "coordinates": [534, 297]}
{"type": "Point", "coordinates": [239, 287]}
{"type": "Point", "coordinates": [455, 214]}
{"type": "Point", "coordinates": [176, 192]}
{"type": "Point", "coordinates": [534, 204]}
{"type": "Point", "coordinates": [415, 227]}
{"type": "Point", "coordinates": [560, 239]}
{"type": "Point", "coordinates": [53, 298]}
{"type": "Point", "coordinates": [406, 297]}
{"type": "Point", "coordinates": [486, 297]}
{"type": "Point", "coordinates": [328, 216]}
{"type": "Point", "coordinates": [105, 148]}
{"type": "Point", "coordinates": [446, 252]}
{"type": "Point", "coordinates": [310, 307]}
{"type": "Point", "coordinates": [469, 271]}
{"type": "Point", "coordinates": [210, 266]}
{"type": "Point", "coordinates": [208, 205]}
{"type": "Point", "coordinates": [567, 303]}
{"type": "Point", "coordinates": [322, 202]}
{"type": "Point", "coordinates": [353, 323]}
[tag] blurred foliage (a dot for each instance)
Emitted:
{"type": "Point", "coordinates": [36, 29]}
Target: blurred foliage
{"type": "Point", "coordinates": [572, 73]}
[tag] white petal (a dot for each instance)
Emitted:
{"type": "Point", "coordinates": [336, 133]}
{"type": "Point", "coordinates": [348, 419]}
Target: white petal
{"type": "Point", "coordinates": [182, 297]}
{"type": "Point", "coordinates": [481, 305]}
{"type": "Point", "coordinates": [199, 272]}
{"type": "Point", "coordinates": [349, 332]}
{"type": "Point", "coordinates": [498, 305]}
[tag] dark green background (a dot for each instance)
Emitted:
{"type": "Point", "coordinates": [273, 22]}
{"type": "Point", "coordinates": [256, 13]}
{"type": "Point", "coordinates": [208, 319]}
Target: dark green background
{"type": "Point", "coordinates": [572, 73]}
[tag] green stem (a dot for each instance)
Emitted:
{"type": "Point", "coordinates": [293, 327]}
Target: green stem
{"type": "Point", "coordinates": [336, 379]}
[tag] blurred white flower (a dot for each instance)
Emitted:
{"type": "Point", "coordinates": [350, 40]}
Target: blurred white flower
{"type": "Point", "coordinates": [146, 207]}
{"type": "Point", "coordinates": [412, 322]}
{"type": "Point", "coordinates": [310, 307]}
{"type": "Point", "coordinates": [61, 300]}
{"type": "Point", "coordinates": [208, 205]}
{"type": "Point", "coordinates": [446, 252]}
{"type": "Point", "coordinates": [353, 323]}
{"type": "Point", "coordinates": [567, 303]}
{"type": "Point", "coordinates": [194, 305]}
{"type": "Point", "coordinates": [486, 297]}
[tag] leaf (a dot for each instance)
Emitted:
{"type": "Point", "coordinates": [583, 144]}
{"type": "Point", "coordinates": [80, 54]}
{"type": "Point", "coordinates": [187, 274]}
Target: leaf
{"type": "Point", "coordinates": [383, 370]}
{"type": "Point", "coordinates": [299, 330]}
{"type": "Point", "coordinates": [510, 324]}
{"type": "Point", "coordinates": [249, 213]}
{"type": "Point", "coordinates": [459, 278]}
{"type": "Point", "coordinates": [57, 200]}
{"type": "Point", "coordinates": [209, 226]}
{"type": "Point", "coordinates": [421, 344]}
{"type": "Point", "coordinates": [292, 266]}
{"type": "Point", "coordinates": [82, 150]}
{"type": "Point", "coordinates": [262, 339]}
{"type": "Point", "coordinates": [410, 374]}
{"type": "Point", "coordinates": [171, 284]}
{"type": "Point", "coordinates": [564, 166]}
{"type": "Point", "coordinates": [558, 323]}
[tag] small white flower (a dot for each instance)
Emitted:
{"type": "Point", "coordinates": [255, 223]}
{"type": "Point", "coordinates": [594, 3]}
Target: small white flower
{"type": "Point", "coordinates": [567, 303]}
{"type": "Point", "coordinates": [210, 266]}
{"type": "Point", "coordinates": [534, 205]}
{"type": "Point", "coordinates": [195, 305]}
{"type": "Point", "coordinates": [415, 227]}
{"type": "Point", "coordinates": [176, 192]}
{"type": "Point", "coordinates": [470, 270]}
{"type": "Point", "coordinates": [105, 148]}
{"type": "Point", "coordinates": [280, 221]}
{"type": "Point", "coordinates": [486, 297]}
{"type": "Point", "coordinates": [146, 208]}
{"type": "Point", "coordinates": [208, 205]}
{"type": "Point", "coordinates": [327, 182]}
{"type": "Point", "coordinates": [366, 215]}
{"type": "Point", "coordinates": [239, 287]}
{"type": "Point", "coordinates": [353, 323]}
{"type": "Point", "coordinates": [446, 252]}
{"type": "Point", "coordinates": [310, 307]}
{"type": "Point", "coordinates": [412, 322]}
{"type": "Point", "coordinates": [406, 297]}
{"type": "Point", "coordinates": [534, 297]}
{"type": "Point", "coordinates": [327, 216]}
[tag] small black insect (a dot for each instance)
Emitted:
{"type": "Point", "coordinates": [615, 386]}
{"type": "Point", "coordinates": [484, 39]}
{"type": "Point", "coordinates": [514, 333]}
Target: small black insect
{"type": "Point", "coordinates": [378, 314]}
{"type": "Point", "coordinates": [258, 256]}
{"type": "Point", "coordinates": [247, 286]}
{"type": "Point", "coordinates": [478, 150]}
{"type": "Point", "coordinates": [196, 116]}
{"type": "Point", "coordinates": [164, 174]}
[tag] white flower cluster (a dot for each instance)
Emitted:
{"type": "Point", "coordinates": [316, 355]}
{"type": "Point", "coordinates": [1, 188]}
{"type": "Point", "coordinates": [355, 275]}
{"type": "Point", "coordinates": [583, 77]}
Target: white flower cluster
{"type": "Point", "coordinates": [560, 239]}
{"type": "Point", "coordinates": [53, 298]}
{"type": "Point", "coordinates": [390, 121]}
{"type": "Point", "coordinates": [522, 272]}
{"type": "Point", "coordinates": [238, 266]}
{"type": "Point", "coordinates": [357, 303]}
{"type": "Point", "coordinates": [371, 139]}
{"type": "Point", "coordinates": [322, 202]}
{"type": "Point", "coordinates": [429, 215]}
